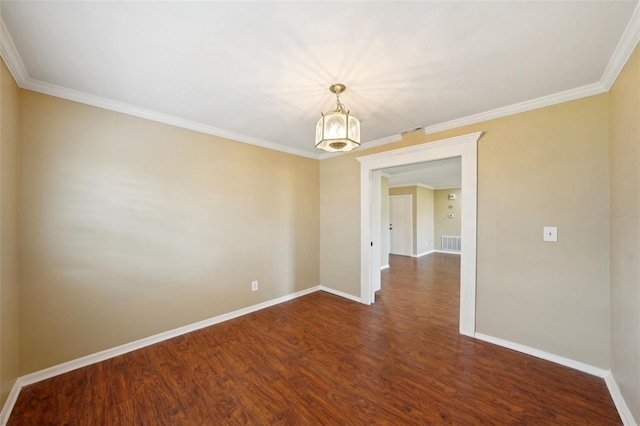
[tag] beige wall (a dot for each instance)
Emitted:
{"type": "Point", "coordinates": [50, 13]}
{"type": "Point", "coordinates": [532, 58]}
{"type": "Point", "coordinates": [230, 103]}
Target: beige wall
{"type": "Point", "coordinates": [547, 167]}
{"type": "Point", "coordinates": [443, 224]}
{"type": "Point", "coordinates": [624, 225]}
{"type": "Point", "coordinates": [9, 207]}
{"type": "Point", "coordinates": [132, 227]}
{"type": "Point", "coordinates": [424, 220]}
{"type": "Point", "coordinates": [384, 221]}
{"type": "Point", "coordinates": [339, 212]}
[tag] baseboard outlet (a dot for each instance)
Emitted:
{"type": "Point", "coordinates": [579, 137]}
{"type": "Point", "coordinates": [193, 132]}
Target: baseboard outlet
{"type": "Point", "coordinates": [567, 362]}
{"type": "Point", "coordinates": [85, 361]}
{"type": "Point", "coordinates": [448, 252]}
{"type": "Point", "coordinates": [341, 294]}
{"type": "Point", "coordinates": [383, 267]}
{"type": "Point", "coordinates": [618, 400]}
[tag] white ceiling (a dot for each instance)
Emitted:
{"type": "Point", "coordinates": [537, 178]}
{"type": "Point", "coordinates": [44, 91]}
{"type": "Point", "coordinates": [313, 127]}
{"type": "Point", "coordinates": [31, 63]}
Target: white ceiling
{"type": "Point", "coordinates": [438, 174]}
{"type": "Point", "coordinates": [259, 72]}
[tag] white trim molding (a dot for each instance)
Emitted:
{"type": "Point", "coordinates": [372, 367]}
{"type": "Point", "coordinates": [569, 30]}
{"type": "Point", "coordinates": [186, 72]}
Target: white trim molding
{"type": "Point", "coordinates": [621, 405]}
{"type": "Point", "coordinates": [11, 57]}
{"type": "Point", "coordinates": [16, 67]}
{"type": "Point", "coordinates": [340, 293]}
{"type": "Point", "coordinates": [424, 254]}
{"type": "Point", "coordinates": [544, 101]}
{"type": "Point", "coordinates": [75, 364]}
{"type": "Point", "coordinates": [567, 362]}
{"type": "Point", "coordinates": [10, 402]}
{"type": "Point", "coordinates": [383, 267]}
{"type": "Point", "coordinates": [464, 146]}
{"type": "Point", "coordinates": [365, 145]}
{"type": "Point", "coordinates": [448, 252]}
{"type": "Point", "coordinates": [421, 185]}
{"type": "Point", "coordinates": [614, 390]}
{"type": "Point", "coordinates": [619, 58]}
{"type": "Point", "coordinates": [612, 385]}
{"type": "Point", "coordinates": [625, 47]}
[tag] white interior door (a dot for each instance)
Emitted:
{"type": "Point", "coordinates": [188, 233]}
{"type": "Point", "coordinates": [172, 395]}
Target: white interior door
{"type": "Point", "coordinates": [401, 224]}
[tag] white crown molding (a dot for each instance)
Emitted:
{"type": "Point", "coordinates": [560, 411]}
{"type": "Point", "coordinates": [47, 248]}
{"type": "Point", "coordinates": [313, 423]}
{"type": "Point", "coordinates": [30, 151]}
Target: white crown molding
{"type": "Point", "coordinates": [625, 47]}
{"type": "Point", "coordinates": [421, 185]}
{"type": "Point", "coordinates": [401, 152]}
{"type": "Point", "coordinates": [365, 145]}
{"type": "Point", "coordinates": [556, 98]}
{"type": "Point", "coordinates": [623, 51]}
{"type": "Point", "coordinates": [383, 141]}
{"type": "Point", "coordinates": [84, 98]}
{"type": "Point", "coordinates": [11, 57]}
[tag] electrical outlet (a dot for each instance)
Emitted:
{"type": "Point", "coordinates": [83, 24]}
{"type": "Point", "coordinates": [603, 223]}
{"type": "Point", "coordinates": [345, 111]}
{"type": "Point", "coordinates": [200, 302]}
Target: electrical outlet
{"type": "Point", "coordinates": [254, 285]}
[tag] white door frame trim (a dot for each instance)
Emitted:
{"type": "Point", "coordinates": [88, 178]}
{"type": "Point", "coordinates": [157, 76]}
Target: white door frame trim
{"type": "Point", "coordinates": [460, 146]}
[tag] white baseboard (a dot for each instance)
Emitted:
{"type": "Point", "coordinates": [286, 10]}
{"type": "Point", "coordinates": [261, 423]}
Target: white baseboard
{"type": "Point", "coordinates": [618, 400]}
{"type": "Point", "coordinates": [341, 294]}
{"type": "Point", "coordinates": [383, 267]}
{"type": "Point", "coordinates": [567, 362]}
{"type": "Point", "coordinates": [66, 367]}
{"type": "Point", "coordinates": [614, 390]}
{"type": "Point", "coordinates": [424, 254]}
{"type": "Point", "coordinates": [448, 252]}
{"type": "Point", "coordinates": [10, 402]}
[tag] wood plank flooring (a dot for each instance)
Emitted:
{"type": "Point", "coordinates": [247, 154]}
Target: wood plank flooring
{"type": "Point", "coordinates": [324, 360]}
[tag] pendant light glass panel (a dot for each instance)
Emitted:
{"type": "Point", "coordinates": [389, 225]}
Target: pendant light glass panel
{"type": "Point", "coordinates": [337, 130]}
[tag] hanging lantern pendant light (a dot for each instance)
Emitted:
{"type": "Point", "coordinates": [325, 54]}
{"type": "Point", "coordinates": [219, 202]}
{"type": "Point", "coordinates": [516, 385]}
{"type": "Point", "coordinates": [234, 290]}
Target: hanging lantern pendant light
{"type": "Point", "coordinates": [337, 130]}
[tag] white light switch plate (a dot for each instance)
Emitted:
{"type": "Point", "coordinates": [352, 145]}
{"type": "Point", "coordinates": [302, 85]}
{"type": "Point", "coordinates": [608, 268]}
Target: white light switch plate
{"type": "Point", "coordinates": [551, 233]}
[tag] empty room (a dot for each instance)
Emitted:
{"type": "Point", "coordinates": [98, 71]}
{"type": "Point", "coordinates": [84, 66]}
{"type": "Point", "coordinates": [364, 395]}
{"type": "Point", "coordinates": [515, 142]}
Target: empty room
{"type": "Point", "coordinates": [278, 212]}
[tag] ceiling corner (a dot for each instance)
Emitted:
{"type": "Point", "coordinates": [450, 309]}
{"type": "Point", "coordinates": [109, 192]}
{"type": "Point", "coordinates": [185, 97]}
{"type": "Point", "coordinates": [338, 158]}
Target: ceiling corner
{"type": "Point", "coordinates": [11, 57]}
{"type": "Point", "coordinates": [624, 49]}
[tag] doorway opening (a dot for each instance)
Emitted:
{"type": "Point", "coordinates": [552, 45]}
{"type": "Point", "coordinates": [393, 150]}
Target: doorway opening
{"type": "Point", "coordinates": [433, 219]}
{"type": "Point", "coordinates": [401, 229]}
{"type": "Point", "coordinates": [464, 147]}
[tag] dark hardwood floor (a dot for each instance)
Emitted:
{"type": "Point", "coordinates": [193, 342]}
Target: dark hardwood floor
{"type": "Point", "coordinates": [324, 360]}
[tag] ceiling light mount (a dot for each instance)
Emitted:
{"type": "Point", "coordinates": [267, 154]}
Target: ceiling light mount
{"type": "Point", "coordinates": [337, 88]}
{"type": "Point", "coordinates": [337, 130]}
